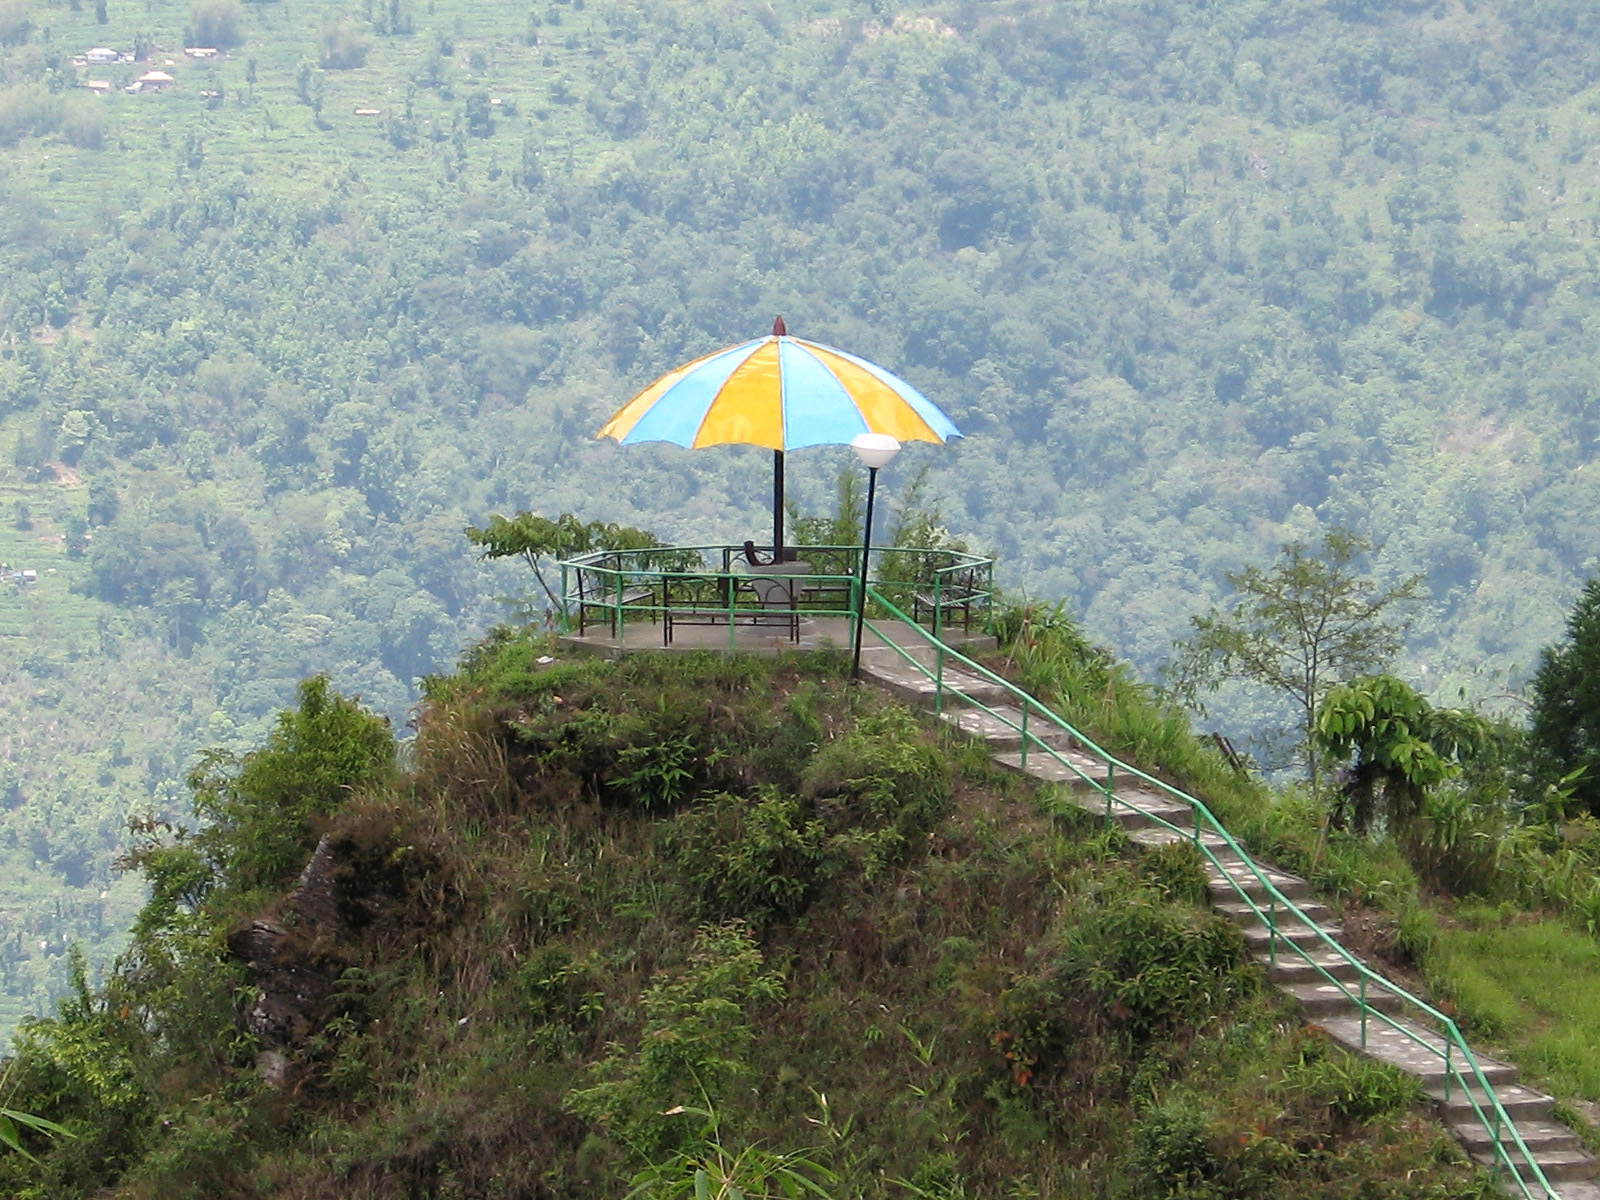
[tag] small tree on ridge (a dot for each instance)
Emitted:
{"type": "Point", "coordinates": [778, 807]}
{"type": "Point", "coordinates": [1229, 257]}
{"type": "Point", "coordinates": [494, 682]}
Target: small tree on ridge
{"type": "Point", "coordinates": [1307, 623]}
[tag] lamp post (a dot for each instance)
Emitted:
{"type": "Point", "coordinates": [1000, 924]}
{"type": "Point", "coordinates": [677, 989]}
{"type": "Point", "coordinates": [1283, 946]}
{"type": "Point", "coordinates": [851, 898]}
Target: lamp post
{"type": "Point", "coordinates": [875, 450]}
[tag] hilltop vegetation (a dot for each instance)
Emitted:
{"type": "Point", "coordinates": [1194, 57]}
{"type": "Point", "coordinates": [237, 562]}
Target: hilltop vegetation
{"type": "Point", "coordinates": [1196, 280]}
{"type": "Point", "coordinates": [614, 923]}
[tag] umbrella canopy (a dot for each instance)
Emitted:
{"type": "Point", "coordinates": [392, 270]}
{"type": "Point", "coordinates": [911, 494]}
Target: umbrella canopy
{"type": "Point", "coordinates": [780, 392]}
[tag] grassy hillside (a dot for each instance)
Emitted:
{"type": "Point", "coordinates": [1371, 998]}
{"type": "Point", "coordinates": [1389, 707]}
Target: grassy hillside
{"type": "Point", "coordinates": [1195, 280]}
{"type": "Point", "coordinates": [616, 923]}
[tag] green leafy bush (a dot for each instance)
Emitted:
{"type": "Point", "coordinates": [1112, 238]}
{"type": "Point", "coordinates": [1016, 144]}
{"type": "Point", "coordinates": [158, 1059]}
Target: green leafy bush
{"type": "Point", "coordinates": [754, 857]}
{"type": "Point", "coordinates": [1170, 1151]}
{"type": "Point", "coordinates": [881, 782]}
{"type": "Point", "coordinates": [261, 812]}
{"type": "Point", "coordinates": [692, 1045]}
{"type": "Point", "coordinates": [1156, 966]}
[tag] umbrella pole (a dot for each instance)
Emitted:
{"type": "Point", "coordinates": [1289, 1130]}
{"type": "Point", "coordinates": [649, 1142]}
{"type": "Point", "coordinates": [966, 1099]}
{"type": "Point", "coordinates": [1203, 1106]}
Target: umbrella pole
{"type": "Point", "coordinates": [777, 506]}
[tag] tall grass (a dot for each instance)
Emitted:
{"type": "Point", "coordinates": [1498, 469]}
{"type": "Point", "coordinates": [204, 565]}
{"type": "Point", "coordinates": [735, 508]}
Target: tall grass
{"type": "Point", "coordinates": [1529, 985]}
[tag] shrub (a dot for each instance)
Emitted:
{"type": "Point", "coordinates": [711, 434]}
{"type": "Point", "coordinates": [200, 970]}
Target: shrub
{"type": "Point", "coordinates": [880, 782]}
{"type": "Point", "coordinates": [751, 858]}
{"type": "Point", "coordinates": [692, 1048]}
{"type": "Point", "coordinates": [1352, 1089]}
{"type": "Point", "coordinates": [1178, 870]}
{"type": "Point", "coordinates": [261, 813]}
{"type": "Point", "coordinates": [1156, 966]}
{"type": "Point", "coordinates": [1169, 1149]}
{"type": "Point", "coordinates": [1131, 961]}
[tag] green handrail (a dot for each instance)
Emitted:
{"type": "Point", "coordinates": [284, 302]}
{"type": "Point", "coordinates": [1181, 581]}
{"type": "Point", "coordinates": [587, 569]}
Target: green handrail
{"type": "Point", "coordinates": [600, 579]}
{"type": "Point", "coordinates": [1496, 1121]}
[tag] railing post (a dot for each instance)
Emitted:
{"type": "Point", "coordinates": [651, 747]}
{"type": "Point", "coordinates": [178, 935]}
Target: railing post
{"type": "Point", "coordinates": [1447, 1072]}
{"type": "Point", "coordinates": [1364, 1011]}
{"type": "Point", "coordinates": [1024, 737]}
{"type": "Point", "coordinates": [617, 620]}
{"type": "Point", "coordinates": [1272, 930]}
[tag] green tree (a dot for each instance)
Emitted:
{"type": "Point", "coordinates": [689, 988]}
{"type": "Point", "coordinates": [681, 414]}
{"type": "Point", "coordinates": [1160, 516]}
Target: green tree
{"type": "Point", "coordinates": [1565, 735]}
{"type": "Point", "coordinates": [218, 23]}
{"type": "Point", "coordinates": [479, 121]}
{"type": "Point", "coordinates": [534, 539]}
{"type": "Point", "coordinates": [1298, 628]}
{"type": "Point", "coordinates": [340, 47]}
{"type": "Point", "coordinates": [1396, 745]}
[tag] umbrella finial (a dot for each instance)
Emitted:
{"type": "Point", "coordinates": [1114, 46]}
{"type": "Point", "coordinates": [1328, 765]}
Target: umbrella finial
{"type": "Point", "coordinates": [779, 329]}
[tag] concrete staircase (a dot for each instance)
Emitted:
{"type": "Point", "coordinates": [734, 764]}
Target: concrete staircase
{"type": "Point", "coordinates": [1153, 818]}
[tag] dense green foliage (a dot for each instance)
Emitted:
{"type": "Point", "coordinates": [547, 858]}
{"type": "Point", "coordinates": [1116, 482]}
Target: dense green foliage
{"type": "Point", "coordinates": [1197, 280]}
{"type": "Point", "coordinates": [1395, 746]}
{"type": "Point", "coordinates": [1565, 733]}
{"type": "Point", "coordinates": [523, 986]}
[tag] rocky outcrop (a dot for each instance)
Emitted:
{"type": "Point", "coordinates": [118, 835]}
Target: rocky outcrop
{"type": "Point", "coordinates": [293, 957]}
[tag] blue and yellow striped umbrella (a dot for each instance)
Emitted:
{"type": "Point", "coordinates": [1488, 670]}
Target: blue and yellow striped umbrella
{"type": "Point", "coordinates": [780, 392]}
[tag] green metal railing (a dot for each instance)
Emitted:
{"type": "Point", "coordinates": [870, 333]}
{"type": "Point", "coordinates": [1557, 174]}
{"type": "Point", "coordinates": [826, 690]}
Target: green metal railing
{"type": "Point", "coordinates": [610, 587]}
{"type": "Point", "coordinates": [1460, 1065]}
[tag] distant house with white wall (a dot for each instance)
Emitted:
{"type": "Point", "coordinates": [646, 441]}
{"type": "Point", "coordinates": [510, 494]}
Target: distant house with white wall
{"type": "Point", "coordinates": [151, 81]}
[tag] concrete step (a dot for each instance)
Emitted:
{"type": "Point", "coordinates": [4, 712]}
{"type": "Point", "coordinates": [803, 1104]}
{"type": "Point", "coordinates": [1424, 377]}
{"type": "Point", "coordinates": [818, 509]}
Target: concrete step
{"type": "Point", "coordinates": [1259, 938]}
{"type": "Point", "coordinates": [908, 684]}
{"type": "Point", "coordinates": [1580, 1189]}
{"type": "Point", "coordinates": [1002, 728]}
{"type": "Point", "coordinates": [1519, 1102]}
{"type": "Point", "coordinates": [1161, 836]}
{"type": "Point", "coordinates": [889, 666]}
{"type": "Point", "coordinates": [1290, 967]}
{"type": "Point", "coordinates": [1321, 998]}
{"type": "Point", "coordinates": [1136, 807]}
{"type": "Point", "coordinates": [1078, 770]}
{"type": "Point", "coordinates": [1540, 1135]}
{"type": "Point", "coordinates": [1291, 886]}
{"type": "Point", "coordinates": [1403, 1043]}
{"type": "Point", "coordinates": [1166, 818]}
{"type": "Point", "coordinates": [1243, 914]}
{"type": "Point", "coordinates": [1163, 817]}
{"type": "Point", "coordinates": [1559, 1167]}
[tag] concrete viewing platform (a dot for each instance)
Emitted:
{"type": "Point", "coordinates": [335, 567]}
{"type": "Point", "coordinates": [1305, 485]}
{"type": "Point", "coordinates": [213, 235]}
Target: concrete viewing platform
{"type": "Point", "coordinates": [815, 633]}
{"type": "Point", "coordinates": [728, 598]}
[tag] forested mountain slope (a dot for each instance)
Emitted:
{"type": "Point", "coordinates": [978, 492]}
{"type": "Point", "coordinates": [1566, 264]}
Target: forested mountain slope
{"type": "Point", "coordinates": [1194, 279]}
